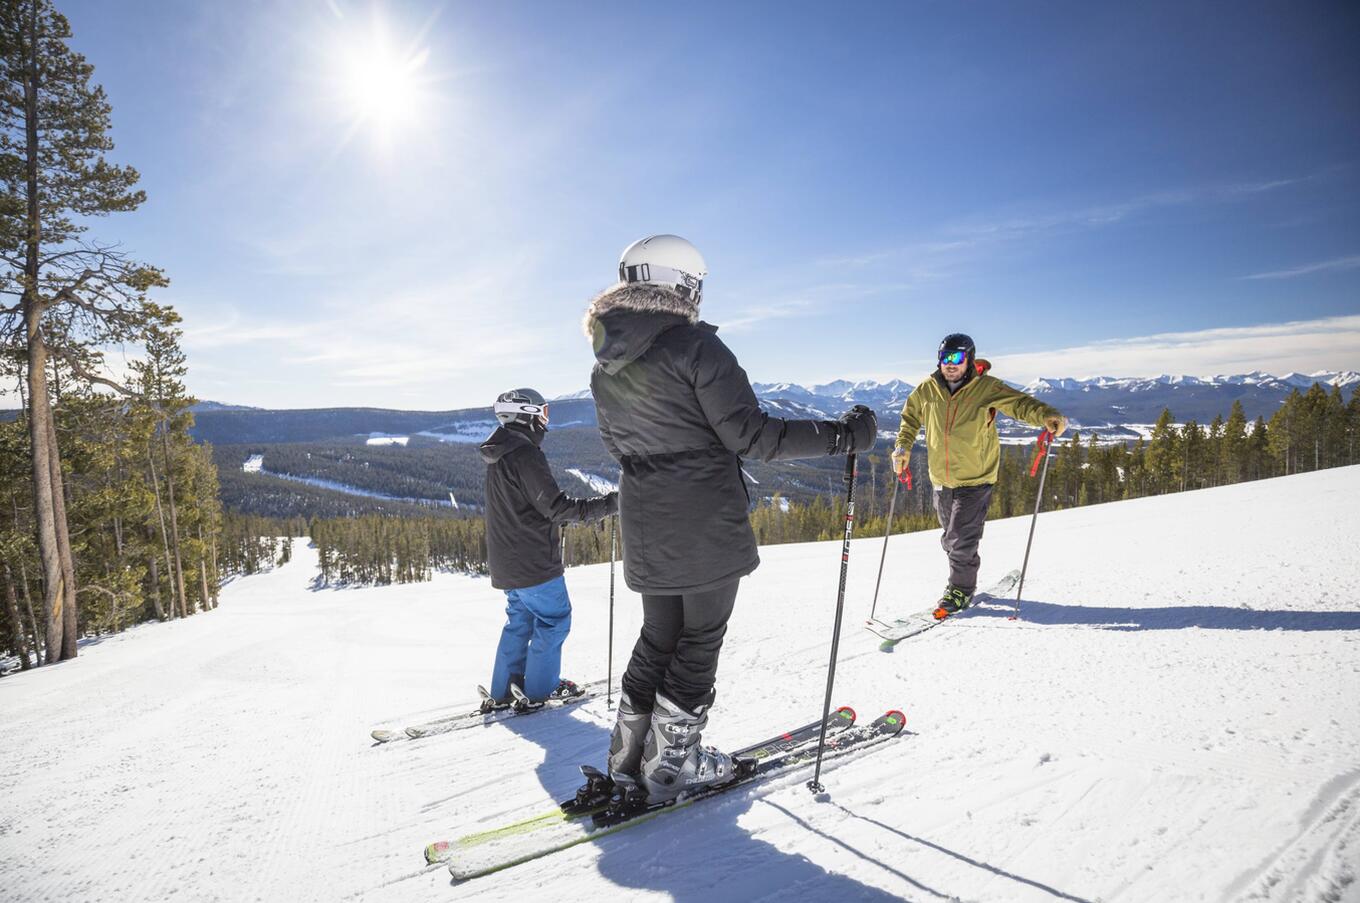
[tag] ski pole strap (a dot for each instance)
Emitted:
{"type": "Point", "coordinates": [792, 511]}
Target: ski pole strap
{"type": "Point", "coordinates": [1040, 450]}
{"type": "Point", "coordinates": [905, 475]}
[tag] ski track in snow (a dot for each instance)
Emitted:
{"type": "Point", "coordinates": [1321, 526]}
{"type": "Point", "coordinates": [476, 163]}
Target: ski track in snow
{"type": "Point", "coordinates": [1172, 718]}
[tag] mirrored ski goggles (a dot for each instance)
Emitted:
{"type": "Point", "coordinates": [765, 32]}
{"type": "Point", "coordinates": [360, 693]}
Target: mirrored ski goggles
{"type": "Point", "coordinates": [953, 358]}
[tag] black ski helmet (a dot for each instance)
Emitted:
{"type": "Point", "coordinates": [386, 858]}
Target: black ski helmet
{"type": "Point", "coordinates": [522, 406]}
{"type": "Point", "coordinates": [957, 341]}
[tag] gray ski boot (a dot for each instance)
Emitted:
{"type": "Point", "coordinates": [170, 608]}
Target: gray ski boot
{"type": "Point", "coordinates": [673, 762]}
{"type": "Point", "coordinates": [625, 746]}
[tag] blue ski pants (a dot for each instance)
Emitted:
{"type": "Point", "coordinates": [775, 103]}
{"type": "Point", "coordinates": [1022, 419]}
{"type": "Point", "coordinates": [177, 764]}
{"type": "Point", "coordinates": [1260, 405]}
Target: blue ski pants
{"type": "Point", "coordinates": [537, 620]}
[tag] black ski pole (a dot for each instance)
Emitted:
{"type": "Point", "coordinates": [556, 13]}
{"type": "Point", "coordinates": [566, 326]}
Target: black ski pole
{"type": "Point", "coordinates": [904, 477]}
{"type": "Point", "coordinates": [1045, 439]}
{"type": "Point", "coordinates": [815, 785]}
{"type": "Point", "coordinates": [613, 553]}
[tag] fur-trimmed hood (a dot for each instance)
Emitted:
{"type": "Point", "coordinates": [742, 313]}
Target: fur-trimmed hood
{"type": "Point", "coordinates": [624, 319]}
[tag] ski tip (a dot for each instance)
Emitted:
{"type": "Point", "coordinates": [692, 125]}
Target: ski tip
{"type": "Point", "coordinates": [895, 718]}
{"type": "Point", "coordinates": [846, 713]}
{"type": "Point", "coordinates": [887, 646]}
{"type": "Point", "coordinates": [437, 852]}
{"type": "Point", "coordinates": [382, 736]}
{"type": "Point", "coordinates": [414, 733]}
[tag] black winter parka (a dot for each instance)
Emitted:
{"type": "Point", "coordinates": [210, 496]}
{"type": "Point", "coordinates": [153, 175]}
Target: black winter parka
{"type": "Point", "coordinates": [525, 507]}
{"type": "Point", "coordinates": [677, 411]}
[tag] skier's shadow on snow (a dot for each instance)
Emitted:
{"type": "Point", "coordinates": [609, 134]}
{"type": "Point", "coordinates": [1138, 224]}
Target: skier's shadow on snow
{"type": "Point", "coordinates": [1175, 617]}
{"type": "Point", "coordinates": [961, 857]}
{"type": "Point", "coordinates": [700, 855]}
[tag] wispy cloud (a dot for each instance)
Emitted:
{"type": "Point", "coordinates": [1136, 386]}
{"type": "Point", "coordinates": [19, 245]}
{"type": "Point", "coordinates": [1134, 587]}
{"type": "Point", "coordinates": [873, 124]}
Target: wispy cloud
{"type": "Point", "coordinates": [234, 331]}
{"type": "Point", "coordinates": [1328, 343]}
{"type": "Point", "coordinates": [959, 241]}
{"type": "Point", "coordinates": [809, 301]}
{"type": "Point", "coordinates": [1098, 215]}
{"type": "Point", "coordinates": [1324, 266]}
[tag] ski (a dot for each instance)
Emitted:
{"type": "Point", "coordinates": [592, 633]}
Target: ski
{"type": "Point", "coordinates": [583, 805]}
{"type": "Point", "coordinates": [482, 716]}
{"type": "Point", "coordinates": [503, 853]}
{"type": "Point", "coordinates": [896, 631]}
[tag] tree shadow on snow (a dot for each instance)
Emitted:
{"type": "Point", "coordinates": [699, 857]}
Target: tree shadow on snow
{"type": "Point", "coordinates": [700, 854]}
{"type": "Point", "coordinates": [1175, 617]}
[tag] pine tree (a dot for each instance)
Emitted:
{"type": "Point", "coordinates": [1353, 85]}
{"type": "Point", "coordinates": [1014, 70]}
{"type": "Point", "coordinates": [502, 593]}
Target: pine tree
{"type": "Point", "coordinates": [1286, 427]}
{"type": "Point", "coordinates": [1333, 429]}
{"type": "Point", "coordinates": [1194, 454]}
{"type": "Point", "coordinates": [1258, 450]}
{"type": "Point", "coordinates": [71, 296]}
{"type": "Point", "coordinates": [160, 378]}
{"type": "Point", "coordinates": [1233, 450]}
{"type": "Point", "coordinates": [1352, 425]}
{"type": "Point", "coordinates": [1164, 462]}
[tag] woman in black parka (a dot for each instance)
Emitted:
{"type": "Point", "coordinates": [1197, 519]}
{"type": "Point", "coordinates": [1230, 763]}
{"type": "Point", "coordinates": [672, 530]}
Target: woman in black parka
{"type": "Point", "coordinates": [678, 413]}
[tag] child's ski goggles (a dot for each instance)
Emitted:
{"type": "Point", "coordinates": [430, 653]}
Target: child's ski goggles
{"type": "Point", "coordinates": [953, 357]}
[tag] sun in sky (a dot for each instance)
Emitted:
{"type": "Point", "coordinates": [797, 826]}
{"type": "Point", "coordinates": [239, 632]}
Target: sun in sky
{"type": "Point", "coordinates": [380, 79]}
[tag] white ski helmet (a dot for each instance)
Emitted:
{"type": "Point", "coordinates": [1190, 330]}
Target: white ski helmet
{"type": "Point", "coordinates": [523, 406]}
{"type": "Point", "coordinates": [666, 260]}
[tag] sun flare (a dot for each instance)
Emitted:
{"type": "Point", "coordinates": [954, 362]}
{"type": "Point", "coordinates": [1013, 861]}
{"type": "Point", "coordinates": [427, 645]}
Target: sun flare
{"type": "Point", "coordinates": [381, 86]}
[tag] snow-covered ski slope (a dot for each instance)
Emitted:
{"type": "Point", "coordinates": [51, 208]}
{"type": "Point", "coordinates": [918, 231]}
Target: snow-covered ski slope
{"type": "Point", "coordinates": [1173, 718]}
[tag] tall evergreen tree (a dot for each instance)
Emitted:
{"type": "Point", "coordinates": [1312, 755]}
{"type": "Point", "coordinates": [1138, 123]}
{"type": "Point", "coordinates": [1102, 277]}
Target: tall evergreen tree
{"type": "Point", "coordinates": [70, 296]}
{"type": "Point", "coordinates": [1353, 426]}
{"type": "Point", "coordinates": [1233, 450]}
{"type": "Point", "coordinates": [1334, 427]}
{"type": "Point", "coordinates": [1164, 455]}
{"type": "Point", "coordinates": [161, 383]}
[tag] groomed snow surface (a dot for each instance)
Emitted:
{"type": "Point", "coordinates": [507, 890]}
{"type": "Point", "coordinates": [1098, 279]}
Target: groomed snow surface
{"type": "Point", "coordinates": [1174, 717]}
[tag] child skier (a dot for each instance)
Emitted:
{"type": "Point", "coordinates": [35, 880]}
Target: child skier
{"type": "Point", "coordinates": [524, 508]}
{"type": "Point", "coordinates": [958, 404]}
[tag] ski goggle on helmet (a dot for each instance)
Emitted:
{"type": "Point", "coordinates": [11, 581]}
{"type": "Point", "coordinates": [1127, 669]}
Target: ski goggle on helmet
{"type": "Point", "coordinates": [666, 260]}
{"type": "Point", "coordinates": [524, 406]}
{"type": "Point", "coordinates": [956, 349]}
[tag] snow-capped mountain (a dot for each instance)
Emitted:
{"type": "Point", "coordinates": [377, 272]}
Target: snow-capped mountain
{"type": "Point", "coordinates": [1111, 400]}
{"type": "Point", "coordinates": [1097, 401]}
{"type": "Point", "coordinates": [1116, 406]}
{"type": "Point", "coordinates": [830, 399]}
{"type": "Point", "coordinates": [1303, 381]}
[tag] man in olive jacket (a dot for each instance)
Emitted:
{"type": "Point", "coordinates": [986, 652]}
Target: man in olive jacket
{"type": "Point", "coordinates": [958, 405]}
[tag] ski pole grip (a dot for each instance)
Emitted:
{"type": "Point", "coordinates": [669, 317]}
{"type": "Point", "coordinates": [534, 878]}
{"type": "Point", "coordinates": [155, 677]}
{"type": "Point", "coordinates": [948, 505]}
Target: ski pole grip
{"type": "Point", "coordinates": [1040, 451]}
{"type": "Point", "coordinates": [905, 475]}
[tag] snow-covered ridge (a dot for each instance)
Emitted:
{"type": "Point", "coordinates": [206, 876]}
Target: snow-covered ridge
{"type": "Point", "coordinates": [596, 482]}
{"type": "Point", "coordinates": [1341, 378]}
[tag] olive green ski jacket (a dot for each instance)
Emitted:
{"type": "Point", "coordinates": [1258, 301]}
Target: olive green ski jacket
{"type": "Point", "coordinates": [961, 438]}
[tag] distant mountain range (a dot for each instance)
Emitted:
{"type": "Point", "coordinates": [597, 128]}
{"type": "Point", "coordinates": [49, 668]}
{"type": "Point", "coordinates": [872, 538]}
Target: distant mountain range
{"type": "Point", "coordinates": [1102, 402]}
{"type": "Point", "coordinates": [333, 461]}
{"type": "Point", "coordinates": [1115, 406]}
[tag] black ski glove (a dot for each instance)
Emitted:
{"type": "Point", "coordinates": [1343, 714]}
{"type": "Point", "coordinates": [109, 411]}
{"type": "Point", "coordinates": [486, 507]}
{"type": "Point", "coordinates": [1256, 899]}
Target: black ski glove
{"type": "Point", "coordinates": [855, 431]}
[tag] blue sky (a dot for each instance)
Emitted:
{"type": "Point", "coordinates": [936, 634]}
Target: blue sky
{"type": "Point", "coordinates": [1086, 188]}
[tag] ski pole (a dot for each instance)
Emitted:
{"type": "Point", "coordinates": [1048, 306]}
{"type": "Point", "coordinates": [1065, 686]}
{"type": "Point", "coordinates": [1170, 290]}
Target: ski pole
{"type": "Point", "coordinates": [613, 553]}
{"type": "Point", "coordinates": [904, 477]}
{"type": "Point", "coordinates": [815, 785]}
{"type": "Point", "coordinates": [1041, 451]}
